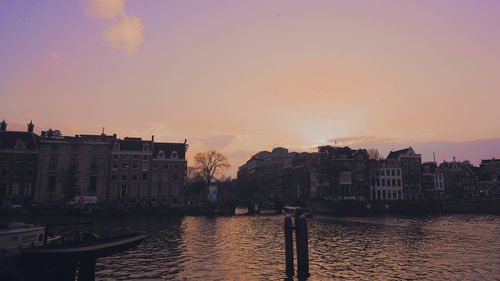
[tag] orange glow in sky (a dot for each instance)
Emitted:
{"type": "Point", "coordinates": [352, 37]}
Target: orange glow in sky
{"type": "Point", "coordinates": [243, 76]}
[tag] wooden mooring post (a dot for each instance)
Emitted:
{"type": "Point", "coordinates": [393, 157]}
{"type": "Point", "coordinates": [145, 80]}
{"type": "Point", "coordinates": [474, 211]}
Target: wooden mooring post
{"type": "Point", "coordinates": [302, 248]}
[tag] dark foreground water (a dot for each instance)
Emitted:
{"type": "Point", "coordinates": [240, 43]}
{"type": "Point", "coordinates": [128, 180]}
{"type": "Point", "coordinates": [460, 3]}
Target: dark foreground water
{"type": "Point", "coordinates": [451, 247]}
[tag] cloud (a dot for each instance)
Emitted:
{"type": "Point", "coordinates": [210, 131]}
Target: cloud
{"type": "Point", "coordinates": [359, 140]}
{"type": "Point", "coordinates": [54, 56]}
{"type": "Point", "coordinates": [106, 9]}
{"type": "Point", "coordinates": [218, 142]}
{"type": "Point", "coordinates": [125, 34]}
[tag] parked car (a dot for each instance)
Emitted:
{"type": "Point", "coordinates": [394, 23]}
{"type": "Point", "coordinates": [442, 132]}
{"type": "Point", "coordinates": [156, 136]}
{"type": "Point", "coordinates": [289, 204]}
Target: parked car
{"type": "Point", "coordinates": [17, 207]}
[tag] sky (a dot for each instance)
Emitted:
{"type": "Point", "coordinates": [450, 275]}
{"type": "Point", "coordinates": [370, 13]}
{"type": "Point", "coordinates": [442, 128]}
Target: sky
{"type": "Point", "coordinates": [244, 76]}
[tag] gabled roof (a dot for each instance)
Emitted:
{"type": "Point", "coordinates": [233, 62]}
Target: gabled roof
{"type": "Point", "coordinates": [134, 144]}
{"type": "Point", "coordinates": [395, 154]}
{"type": "Point", "coordinates": [168, 148]}
{"type": "Point", "coordinates": [8, 140]}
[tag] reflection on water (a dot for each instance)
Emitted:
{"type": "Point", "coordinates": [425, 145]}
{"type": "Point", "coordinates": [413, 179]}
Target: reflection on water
{"type": "Point", "coordinates": [454, 247]}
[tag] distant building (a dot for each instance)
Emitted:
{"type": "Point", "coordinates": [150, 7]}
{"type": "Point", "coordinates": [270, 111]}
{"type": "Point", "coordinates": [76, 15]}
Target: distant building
{"type": "Point", "coordinates": [460, 180]}
{"type": "Point", "coordinates": [148, 173]}
{"type": "Point", "coordinates": [432, 181]}
{"type": "Point", "coordinates": [18, 165]}
{"type": "Point", "coordinates": [388, 181]}
{"type": "Point", "coordinates": [347, 171]}
{"type": "Point", "coordinates": [410, 163]}
{"type": "Point", "coordinates": [82, 159]}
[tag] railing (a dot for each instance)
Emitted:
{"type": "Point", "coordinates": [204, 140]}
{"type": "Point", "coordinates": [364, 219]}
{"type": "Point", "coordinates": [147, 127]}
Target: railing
{"type": "Point", "coordinates": [62, 228]}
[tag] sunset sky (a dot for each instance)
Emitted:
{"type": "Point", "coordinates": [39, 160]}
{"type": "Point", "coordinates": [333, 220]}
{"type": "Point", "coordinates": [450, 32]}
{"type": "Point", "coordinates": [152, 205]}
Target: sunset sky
{"type": "Point", "coordinates": [244, 76]}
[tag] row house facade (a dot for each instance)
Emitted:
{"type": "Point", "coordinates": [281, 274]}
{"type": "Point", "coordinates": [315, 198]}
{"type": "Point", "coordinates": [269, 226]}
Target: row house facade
{"type": "Point", "coordinates": [387, 180]}
{"type": "Point", "coordinates": [147, 172]}
{"type": "Point", "coordinates": [410, 164]}
{"type": "Point", "coordinates": [72, 165]}
{"type": "Point", "coordinates": [432, 181]}
{"type": "Point", "coordinates": [347, 171]}
{"type": "Point", "coordinates": [18, 165]}
{"type": "Point", "coordinates": [460, 180]}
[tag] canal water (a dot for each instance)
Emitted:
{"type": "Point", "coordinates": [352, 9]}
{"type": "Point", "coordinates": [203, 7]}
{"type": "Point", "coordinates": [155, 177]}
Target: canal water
{"type": "Point", "coordinates": [440, 247]}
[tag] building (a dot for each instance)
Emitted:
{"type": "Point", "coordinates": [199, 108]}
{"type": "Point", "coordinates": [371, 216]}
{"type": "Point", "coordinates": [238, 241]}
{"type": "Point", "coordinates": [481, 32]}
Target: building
{"type": "Point", "coordinates": [147, 173]}
{"type": "Point", "coordinates": [347, 171]}
{"type": "Point", "coordinates": [73, 165]}
{"type": "Point", "coordinates": [410, 163]}
{"type": "Point", "coordinates": [432, 181]}
{"type": "Point", "coordinates": [460, 180]}
{"type": "Point", "coordinates": [388, 181]}
{"type": "Point", "coordinates": [19, 153]}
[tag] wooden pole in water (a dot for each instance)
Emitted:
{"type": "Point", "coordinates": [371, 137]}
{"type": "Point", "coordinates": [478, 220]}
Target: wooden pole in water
{"type": "Point", "coordinates": [302, 247]}
{"type": "Point", "coordinates": [289, 246]}
{"type": "Point", "coordinates": [86, 271]}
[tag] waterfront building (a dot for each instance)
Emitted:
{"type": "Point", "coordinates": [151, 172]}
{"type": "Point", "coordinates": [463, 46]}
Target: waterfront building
{"type": "Point", "coordinates": [410, 163]}
{"type": "Point", "coordinates": [432, 181]}
{"type": "Point", "coordinates": [388, 181]}
{"type": "Point", "coordinates": [18, 165]}
{"type": "Point", "coordinates": [460, 180]}
{"type": "Point", "coordinates": [72, 165]}
{"type": "Point", "coordinates": [347, 171]}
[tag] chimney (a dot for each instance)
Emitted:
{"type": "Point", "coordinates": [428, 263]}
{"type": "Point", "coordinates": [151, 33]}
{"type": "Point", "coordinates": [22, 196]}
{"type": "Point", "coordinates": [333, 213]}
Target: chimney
{"type": "Point", "coordinates": [453, 158]}
{"type": "Point", "coordinates": [153, 138]}
{"type": "Point", "coordinates": [30, 127]}
{"type": "Point", "coordinates": [3, 126]}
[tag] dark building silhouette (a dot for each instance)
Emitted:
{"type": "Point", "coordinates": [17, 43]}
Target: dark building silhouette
{"type": "Point", "coordinates": [18, 165]}
{"type": "Point", "coordinates": [410, 163]}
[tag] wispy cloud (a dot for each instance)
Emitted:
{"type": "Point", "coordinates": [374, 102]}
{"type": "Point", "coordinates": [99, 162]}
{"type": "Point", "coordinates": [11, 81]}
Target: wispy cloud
{"type": "Point", "coordinates": [54, 56]}
{"type": "Point", "coordinates": [125, 34]}
{"type": "Point", "coordinates": [218, 142]}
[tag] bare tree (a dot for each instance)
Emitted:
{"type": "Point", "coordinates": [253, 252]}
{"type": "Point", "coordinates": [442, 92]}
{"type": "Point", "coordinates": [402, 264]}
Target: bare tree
{"type": "Point", "coordinates": [373, 154]}
{"type": "Point", "coordinates": [210, 164]}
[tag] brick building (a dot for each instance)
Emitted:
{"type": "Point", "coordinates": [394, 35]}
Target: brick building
{"type": "Point", "coordinates": [410, 163]}
{"type": "Point", "coordinates": [83, 159]}
{"type": "Point", "coordinates": [18, 165]}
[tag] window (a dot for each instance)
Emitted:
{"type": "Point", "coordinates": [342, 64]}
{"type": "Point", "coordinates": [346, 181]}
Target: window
{"type": "Point", "coordinates": [165, 166]}
{"type": "Point", "coordinates": [176, 166]}
{"type": "Point", "coordinates": [383, 182]}
{"type": "Point", "coordinates": [393, 182]}
{"type": "Point", "coordinates": [124, 177]}
{"type": "Point", "coordinates": [4, 172]}
{"type": "Point", "coordinates": [123, 191]}
{"type": "Point", "coordinates": [176, 177]}
{"type": "Point", "coordinates": [135, 157]}
{"type": "Point", "coordinates": [161, 154]}
{"type": "Point", "coordinates": [114, 177]}
{"type": "Point", "coordinates": [15, 189]}
{"type": "Point", "coordinates": [93, 183]}
{"type": "Point", "coordinates": [382, 172]}
{"type": "Point", "coordinates": [115, 156]}
{"type": "Point", "coordinates": [393, 172]}
{"type": "Point", "coordinates": [125, 165]}
{"type": "Point", "coordinates": [51, 186]}
{"type": "Point", "coordinates": [175, 191]}
{"type": "Point", "coordinates": [135, 177]}
{"type": "Point", "coordinates": [134, 165]}
{"type": "Point", "coordinates": [398, 172]}
{"type": "Point", "coordinates": [124, 156]}
{"type": "Point", "coordinates": [27, 189]}
{"type": "Point", "coordinates": [116, 146]}
{"type": "Point", "coordinates": [388, 182]}
{"type": "Point", "coordinates": [144, 165]}
{"type": "Point", "coordinates": [17, 172]}
{"type": "Point", "coordinates": [145, 157]}
{"type": "Point", "coordinates": [155, 177]}
{"type": "Point", "coordinates": [115, 165]}
{"type": "Point", "coordinates": [144, 176]}
{"type": "Point", "coordinates": [174, 155]}
{"type": "Point", "coordinates": [165, 177]}
{"type": "Point", "coordinates": [155, 166]}
{"type": "Point", "coordinates": [145, 147]}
